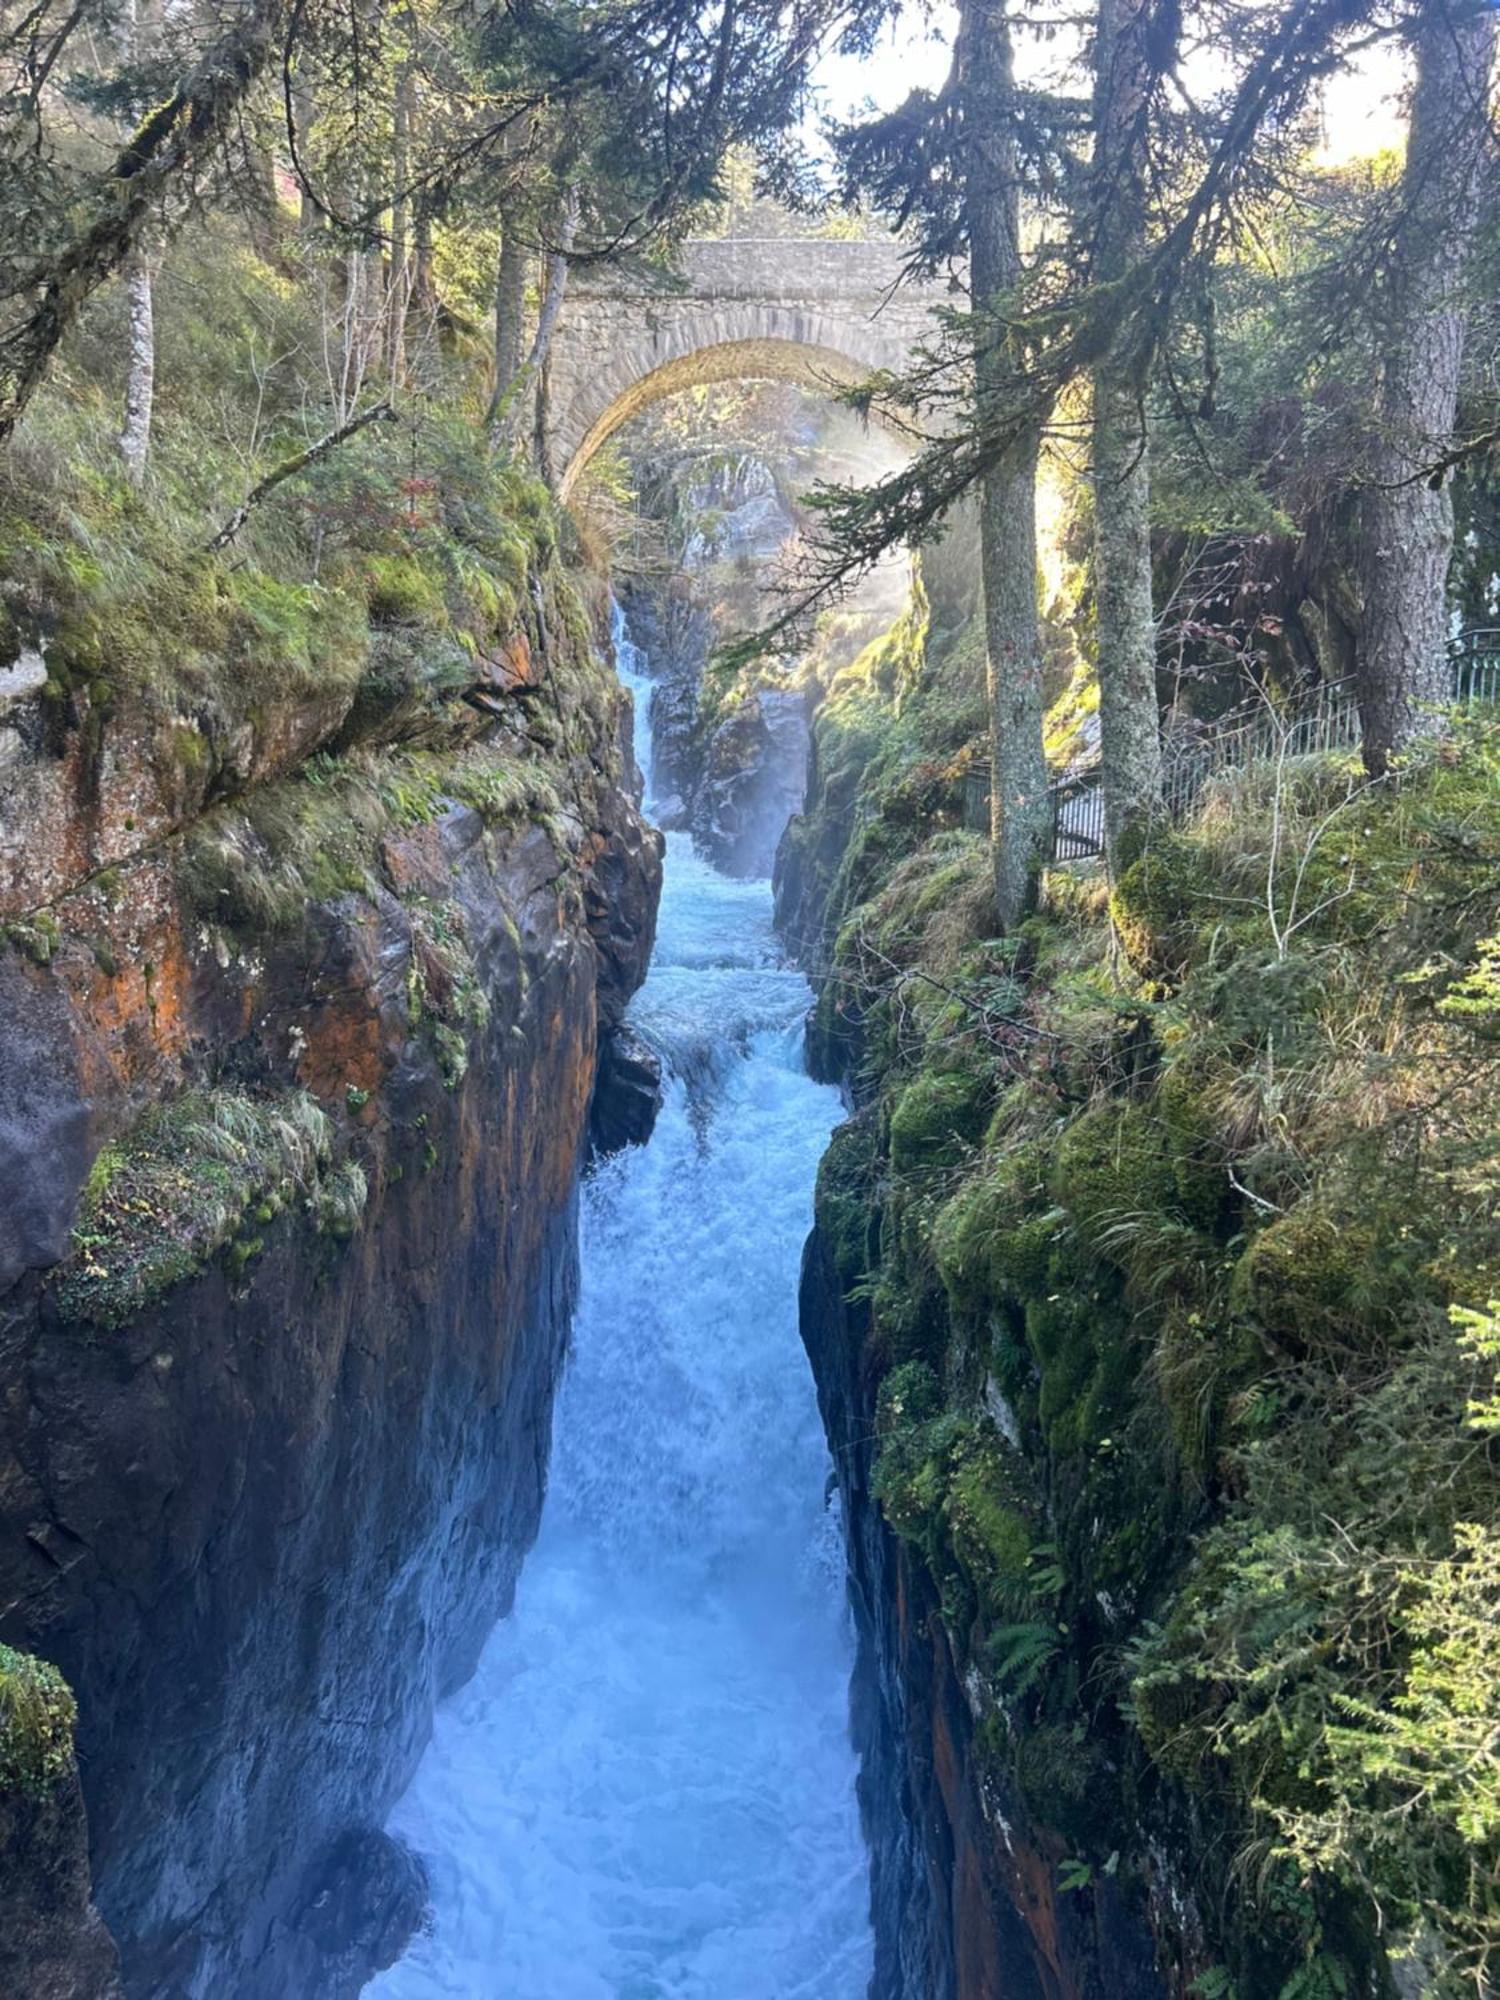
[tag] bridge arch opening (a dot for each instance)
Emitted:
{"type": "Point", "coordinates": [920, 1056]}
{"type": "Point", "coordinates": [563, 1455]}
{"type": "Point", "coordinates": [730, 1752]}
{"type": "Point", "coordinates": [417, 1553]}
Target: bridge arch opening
{"type": "Point", "coordinates": [760, 358]}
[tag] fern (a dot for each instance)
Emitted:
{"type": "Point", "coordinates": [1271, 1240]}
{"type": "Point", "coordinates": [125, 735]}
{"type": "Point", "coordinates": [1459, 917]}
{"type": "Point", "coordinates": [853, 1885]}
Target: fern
{"type": "Point", "coordinates": [1021, 1654]}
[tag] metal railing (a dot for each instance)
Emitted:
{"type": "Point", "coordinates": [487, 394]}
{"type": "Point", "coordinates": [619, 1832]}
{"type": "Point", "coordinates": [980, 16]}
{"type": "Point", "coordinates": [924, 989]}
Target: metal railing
{"type": "Point", "coordinates": [1256, 733]}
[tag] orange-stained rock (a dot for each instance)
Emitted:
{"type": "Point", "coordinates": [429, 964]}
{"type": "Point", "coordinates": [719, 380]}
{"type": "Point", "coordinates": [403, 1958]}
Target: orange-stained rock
{"type": "Point", "coordinates": [414, 862]}
{"type": "Point", "coordinates": [86, 790]}
{"type": "Point", "coordinates": [298, 1486]}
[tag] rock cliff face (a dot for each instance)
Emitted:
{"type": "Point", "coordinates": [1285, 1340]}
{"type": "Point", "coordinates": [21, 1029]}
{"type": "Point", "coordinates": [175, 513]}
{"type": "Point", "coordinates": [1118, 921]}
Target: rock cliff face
{"type": "Point", "coordinates": [293, 1095]}
{"type": "Point", "coordinates": [53, 1945]}
{"type": "Point", "coordinates": [969, 1901]}
{"type": "Point", "coordinates": [964, 1889]}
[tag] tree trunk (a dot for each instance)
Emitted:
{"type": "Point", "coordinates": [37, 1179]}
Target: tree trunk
{"type": "Point", "coordinates": [139, 27]}
{"type": "Point", "coordinates": [1406, 514]}
{"type": "Point", "coordinates": [310, 218]}
{"type": "Point", "coordinates": [1129, 732]}
{"type": "Point", "coordinates": [510, 423]}
{"type": "Point", "coordinates": [140, 377]}
{"type": "Point", "coordinates": [399, 281]}
{"type": "Point", "coordinates": [1019, 806]}
{"type": "Point", "coordinates": [511, 271]}
{"type": "Point", "coordinates": [422, 311]}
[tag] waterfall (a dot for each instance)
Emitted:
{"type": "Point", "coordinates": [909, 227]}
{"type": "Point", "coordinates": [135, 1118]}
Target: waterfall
{"type": "Point", "coordinates": [647, 1792]}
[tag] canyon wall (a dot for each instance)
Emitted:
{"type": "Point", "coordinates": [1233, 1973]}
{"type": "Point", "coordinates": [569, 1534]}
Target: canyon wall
{"type": "Point", "coordinates": [964, 1884]}
{"type": "Point", "coordinates": [969, 1882]}
{"type": "Point", "coordinates": [300, 1033]}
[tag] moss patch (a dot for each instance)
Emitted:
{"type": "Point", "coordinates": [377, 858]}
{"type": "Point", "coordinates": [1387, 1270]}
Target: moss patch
{"type": "Point", "coordinates": [37, 1718]}
{"type": "Point", "coordinates": [175, 1190]}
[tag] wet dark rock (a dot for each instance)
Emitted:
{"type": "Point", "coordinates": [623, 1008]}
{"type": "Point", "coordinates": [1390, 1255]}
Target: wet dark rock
{"type": "Point", "coordinates": [53, 1945]}
{"type": "Point", "coordinates": [265, 1525]}
{"type": "Point", "coordinates": [753, 780]}
{"type": "Point", "coordinates": [621, 893]}
{"type": "Point", "coordinates": [44, 1121]}
{"type": "Point", "coordinates": [627, 1092]}
{"type": "Point", "coordinates": [363, 1902]}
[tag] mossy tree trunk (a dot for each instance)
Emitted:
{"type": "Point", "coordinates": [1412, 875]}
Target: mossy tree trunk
{"type": "Point", "coordinates": [1019, 806]}
{"type": "Point", "coordinates": [1406, 515]}
{"type": "Point", "coordinates": [1129, 734]}
{"type": "Point", "coordinates": [511, 270]}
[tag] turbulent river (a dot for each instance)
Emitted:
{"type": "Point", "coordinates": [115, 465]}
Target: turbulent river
{"type": "Point", "coordinates": [647, 1791]}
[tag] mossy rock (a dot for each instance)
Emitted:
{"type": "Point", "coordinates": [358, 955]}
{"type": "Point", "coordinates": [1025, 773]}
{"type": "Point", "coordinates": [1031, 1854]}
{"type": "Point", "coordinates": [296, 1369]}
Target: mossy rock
{"type": "Point", "coordinates": [37, 1718]}
{"type": "Point", "coordinates": [36, 937]}
{"type": "Point", "coordinates": [938, 1119]}
{"type": "Point", "coordinates": [992, 1241]}
{"type": "Point", "coordinates": [1160, 905]}
{"type": "Point", "coordinates": [1112, 1163]}
{"type": "Point", "coordinates": [844, 1204]}
{"type": "Point", "coordinates": [918, 1439]}
{"type": "Point", "coordinates": [1309, 1280]}
{"type": "Point", "coordinates": [175, 1190]}
{"type": "Point", "coordinates": [399, 590]}
{"type": "Point", "coordinates": [988, 1527]}
{"type": "Point", "coordinates": [1198, 1158]}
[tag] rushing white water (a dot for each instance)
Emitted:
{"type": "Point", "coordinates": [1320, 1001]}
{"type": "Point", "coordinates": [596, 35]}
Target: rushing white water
{"type": "Point", "coordinates": [647, 1790]}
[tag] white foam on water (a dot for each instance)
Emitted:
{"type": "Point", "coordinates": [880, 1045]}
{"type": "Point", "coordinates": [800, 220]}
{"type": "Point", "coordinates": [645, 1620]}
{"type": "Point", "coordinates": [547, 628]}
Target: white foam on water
{"type": "Point", "coordinates": [647, 1792]}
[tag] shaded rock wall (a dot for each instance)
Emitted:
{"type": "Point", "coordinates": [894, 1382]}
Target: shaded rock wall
{"type": "Point", "coordinates": [964, 1888]}
{"type": "Point", "coordinates": [263, 1515]}
{"type": "Point", "coordinates": [966, 1897]}
{"type": "Point", "coordinates": [53, 1945]}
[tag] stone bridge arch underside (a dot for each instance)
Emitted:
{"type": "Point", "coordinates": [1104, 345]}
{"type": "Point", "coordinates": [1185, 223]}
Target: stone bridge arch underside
{"type": "Point", "coordinates": [820, 313]}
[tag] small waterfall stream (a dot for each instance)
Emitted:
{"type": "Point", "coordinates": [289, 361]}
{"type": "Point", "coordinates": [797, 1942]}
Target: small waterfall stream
{"type": "Point", "coordinates": [647, 1792]}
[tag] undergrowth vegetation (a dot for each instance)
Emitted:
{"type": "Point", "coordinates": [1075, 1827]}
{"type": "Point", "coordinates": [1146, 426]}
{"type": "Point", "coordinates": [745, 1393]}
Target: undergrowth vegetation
{"type": "Point", "coordinates": [410, 522]}
{"type": "Point", "coordinates": [400, 606]}
{"type": "Point", "coordinates": [1173, 1223]}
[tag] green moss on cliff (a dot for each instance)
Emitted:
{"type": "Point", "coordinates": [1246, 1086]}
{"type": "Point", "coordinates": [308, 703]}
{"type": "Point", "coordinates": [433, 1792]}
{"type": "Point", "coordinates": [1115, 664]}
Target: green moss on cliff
{"type": "Point", "coordinates": [175, 1190]}
{"type": "Point", "coordinates": [938, 1117]}
{"type": "Point", "coordinates": [37, 1716]}
{"type": "Point", "coordinates": [260, 866]}
{"type": "Point", "coordinates": [1203, 1248]}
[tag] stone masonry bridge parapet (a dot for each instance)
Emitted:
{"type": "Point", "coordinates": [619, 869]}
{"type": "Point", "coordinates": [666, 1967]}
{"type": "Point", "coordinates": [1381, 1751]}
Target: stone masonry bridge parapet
{"type": "Point", "coordinates": [815, 311]}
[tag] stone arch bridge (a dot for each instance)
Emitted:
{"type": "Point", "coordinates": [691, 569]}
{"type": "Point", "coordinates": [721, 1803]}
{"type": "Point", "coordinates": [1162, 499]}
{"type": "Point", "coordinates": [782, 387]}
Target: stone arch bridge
{"type": "Point", "coordinates": [814, 311]}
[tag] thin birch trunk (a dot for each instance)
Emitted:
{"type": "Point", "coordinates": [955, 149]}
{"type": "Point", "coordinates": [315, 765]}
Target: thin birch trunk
{"type": "Point", "coordinates": [140, 364]}
{"type": "Point", "coordinates": [140, 377]}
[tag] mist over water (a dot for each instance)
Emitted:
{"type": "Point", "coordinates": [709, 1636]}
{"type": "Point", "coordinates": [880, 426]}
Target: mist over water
{"type": "Point", "coordinates": [647, 1791]}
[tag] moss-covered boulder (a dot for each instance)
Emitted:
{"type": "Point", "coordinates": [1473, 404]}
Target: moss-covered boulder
{"type": "Point", "coordinates": [1158, 905]}
{"type": "Point", "coordinates": [37, 1715]}
{"type": "Point", "coordinates": [938, 1118]}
